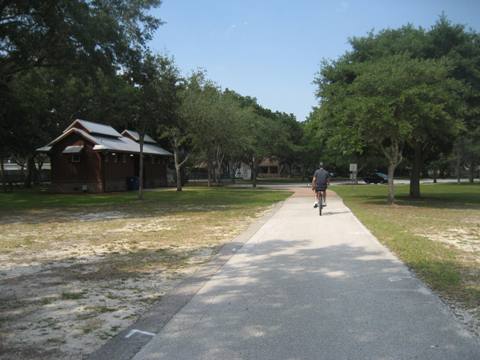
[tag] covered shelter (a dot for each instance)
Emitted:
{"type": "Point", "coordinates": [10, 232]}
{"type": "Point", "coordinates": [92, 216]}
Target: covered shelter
{"type": "Point", "coordinates": [92, 157]}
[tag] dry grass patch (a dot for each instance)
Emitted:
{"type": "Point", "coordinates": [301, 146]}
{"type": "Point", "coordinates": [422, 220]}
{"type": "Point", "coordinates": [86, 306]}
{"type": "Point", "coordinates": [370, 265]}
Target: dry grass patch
{"type": "Point", "coordinates": [74, 276]}
{"type": "Point", "coordinates": [437, 236]}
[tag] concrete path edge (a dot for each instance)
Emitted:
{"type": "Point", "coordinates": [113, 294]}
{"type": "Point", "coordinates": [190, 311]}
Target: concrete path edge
{"type": "Point", "coordinates": [126, 344]}
{"type": "Point", "coordinates": [443, 304]}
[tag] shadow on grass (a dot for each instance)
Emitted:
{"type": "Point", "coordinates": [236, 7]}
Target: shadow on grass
{"type": "Point", "coordinates": [448, 196]}
{"type": "Point", "coordinates": [64, 207]}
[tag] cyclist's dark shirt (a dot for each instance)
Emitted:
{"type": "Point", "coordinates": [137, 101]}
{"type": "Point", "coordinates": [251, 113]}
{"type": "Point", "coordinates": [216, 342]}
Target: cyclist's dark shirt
{"type": "Point", "coordinates": [321, 176]}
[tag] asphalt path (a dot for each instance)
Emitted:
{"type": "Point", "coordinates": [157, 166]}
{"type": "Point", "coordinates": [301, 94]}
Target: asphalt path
{"type": "Point", "coordinates": [311, 287]}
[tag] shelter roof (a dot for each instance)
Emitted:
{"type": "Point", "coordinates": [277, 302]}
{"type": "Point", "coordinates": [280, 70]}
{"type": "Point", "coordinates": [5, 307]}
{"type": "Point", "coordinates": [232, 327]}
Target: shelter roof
{"type": "Point", "coordinates": [136, 136]}
{"type": "Point", "coordinates": [94, 128]}
{"type": "Point", "coordinates": [104, 142]}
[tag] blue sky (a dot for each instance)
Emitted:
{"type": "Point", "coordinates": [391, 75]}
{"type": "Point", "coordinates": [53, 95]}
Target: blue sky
{"type": "Point", "coordinates": [271, 49]}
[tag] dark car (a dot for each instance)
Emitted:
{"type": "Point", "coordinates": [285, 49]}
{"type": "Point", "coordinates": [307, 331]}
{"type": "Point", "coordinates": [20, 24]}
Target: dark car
{"type": "Point", "coordinates": [376, 178]}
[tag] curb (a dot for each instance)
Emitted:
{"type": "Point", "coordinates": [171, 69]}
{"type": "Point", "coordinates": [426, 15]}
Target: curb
{"type": "Point", "coordinates": [126, 344]}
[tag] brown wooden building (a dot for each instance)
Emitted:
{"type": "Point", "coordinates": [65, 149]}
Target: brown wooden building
{"type": "Point", "coordinates": [91, 157]}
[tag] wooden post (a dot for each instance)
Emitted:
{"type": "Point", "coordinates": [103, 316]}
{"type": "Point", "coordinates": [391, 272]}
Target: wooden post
{"type": "Point", "coordinates": [140, 185]}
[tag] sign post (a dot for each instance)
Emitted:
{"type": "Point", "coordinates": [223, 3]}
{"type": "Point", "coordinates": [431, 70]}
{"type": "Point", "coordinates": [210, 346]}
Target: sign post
{"type": "Point", "coordinates": [353, 173]}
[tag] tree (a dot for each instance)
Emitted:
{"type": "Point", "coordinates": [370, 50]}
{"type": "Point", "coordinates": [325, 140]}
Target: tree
{"type": "Point", "coordinates": [462, 48]}
{"type": "Point", "coordinates": [380, 103]}
{"type": "Point", "coordinates": [213, 118]}
{"type": "Point", "coordinates": [197, 104]}
{"type": "Point", "coordinates": [176, 129]}
{"type": "Point", "coordinates": [443, 41]}
{"type": "Point", "coordinates": [261, 133]}
{"type": "Point", "coordinates": [147, 103]}
{"type": "Point", "coordinates": [57, 47]}
{"type": "Point", "coordinates": [59, 33]}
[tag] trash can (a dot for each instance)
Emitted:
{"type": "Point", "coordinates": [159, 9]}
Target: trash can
{"type": "Point", "coordinates": [132, 183]}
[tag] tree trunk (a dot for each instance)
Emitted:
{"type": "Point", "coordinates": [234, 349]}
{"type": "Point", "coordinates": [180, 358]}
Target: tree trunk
{"type": "Point", "coordinates": [178, 164]}
{"type": "Point", "coordinates": [391, 187]}
{"type": "Point", "coordinates": [458, 166]}
{"type": "Point", "coordinates": [4, 178]}
{"type": "Point", "coordinates": [140, 185]}
{"type": "Point", "coordinates": [209, 171]}
{"type": "Point", "coordinates": [231, 171]}
{"type": "Point", "coordinates": [472, 172]}
{"type": "Point", "coordinates": [31, 172]}
{"type": "Point", "coordinates": [434, 174]}
{"type": "Point", "coordinates": [416, 169]}
{"type": "Point", "coordinates": [218, 165]}
{"type": "Point", "coordinates": [254, 172]}
{"type": "Point", "coordinates": [38, 170]}
{"type": "Point", "coordinates": [177, 168]}
{"type": "Point", "coordinates": [214, 173]}
{"type": "Point", "coordinates": [394, 155]}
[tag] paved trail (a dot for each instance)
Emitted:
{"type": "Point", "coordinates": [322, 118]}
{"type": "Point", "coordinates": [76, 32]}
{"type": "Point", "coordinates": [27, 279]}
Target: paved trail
{"type": "Point", "coordinates": [310, 287]}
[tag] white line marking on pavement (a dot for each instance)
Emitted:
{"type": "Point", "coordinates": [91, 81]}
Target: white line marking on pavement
{"type": "Point", "coordinates": [398, 278]}
{"type": "Point", "coordinates": [134, 331]}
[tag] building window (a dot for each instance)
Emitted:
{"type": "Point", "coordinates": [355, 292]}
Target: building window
{"type": "Point", "coordinates": [75, 158]}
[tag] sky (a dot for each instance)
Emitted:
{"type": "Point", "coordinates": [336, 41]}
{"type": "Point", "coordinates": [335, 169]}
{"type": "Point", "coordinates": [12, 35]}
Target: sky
{"type": "Point", "coordinates": [272, 49]}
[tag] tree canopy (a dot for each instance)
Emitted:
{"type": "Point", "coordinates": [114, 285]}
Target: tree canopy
{"type": "Point", "coordinates": [406, 93]}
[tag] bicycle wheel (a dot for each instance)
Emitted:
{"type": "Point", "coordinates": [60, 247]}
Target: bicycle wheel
{"type": "Point", "coordinates": [320, 204]}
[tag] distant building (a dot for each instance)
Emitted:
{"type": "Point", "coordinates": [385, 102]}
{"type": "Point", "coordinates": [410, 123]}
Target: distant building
{"type": "Point", "coordinates": [243, 171]}
{"type": "Point", "coordinates": [269, 167]}
{"type": "Point", "coordinates": [91, 157]}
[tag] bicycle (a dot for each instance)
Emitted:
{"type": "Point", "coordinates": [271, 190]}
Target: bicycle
{"type": "Point", "coordinates": [320, 203]}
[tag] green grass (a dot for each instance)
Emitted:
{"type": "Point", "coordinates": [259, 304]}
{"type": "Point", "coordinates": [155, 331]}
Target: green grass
{"type": "Point", "coordinates": [145, 246]}
{"type": "Point", "coordinates": [72, 295]}
{"type": "Point", "coordinates": [461, 196]}
{"type": "Point", "coordinates": [35, 221]}
{"type": "Point", "coordinates": [416, 231]}
{"type": "Point", "coordinates": [193, 196]}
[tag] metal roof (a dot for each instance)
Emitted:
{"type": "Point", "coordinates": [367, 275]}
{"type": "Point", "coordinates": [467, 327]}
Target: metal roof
{"type": "Point", "coordinates": [108, 143]}
{"type": "Point", "coordinates": [136, 136]}
{"type": "Point", "coordinates": [72, 149]}
{"type": "Point", "coordinates": [45, 148]}
{"type": "Point", "coordinates": [95, 128]}
{"type": "Point", "coordinates": [125, 144]}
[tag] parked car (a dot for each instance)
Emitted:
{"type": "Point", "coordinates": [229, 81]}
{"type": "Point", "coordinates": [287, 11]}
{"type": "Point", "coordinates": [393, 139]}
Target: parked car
{"type": "Point", "coordinates": [376, 178]}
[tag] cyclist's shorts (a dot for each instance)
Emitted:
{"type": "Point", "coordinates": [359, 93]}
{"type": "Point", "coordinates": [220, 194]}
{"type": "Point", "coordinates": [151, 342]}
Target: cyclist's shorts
{"type": "Point", "coordinates": [321, 187]}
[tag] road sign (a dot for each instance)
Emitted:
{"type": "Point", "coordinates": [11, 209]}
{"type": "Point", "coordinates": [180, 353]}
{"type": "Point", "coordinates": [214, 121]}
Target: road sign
{"type": "Point", "coordinates": [353, 167]}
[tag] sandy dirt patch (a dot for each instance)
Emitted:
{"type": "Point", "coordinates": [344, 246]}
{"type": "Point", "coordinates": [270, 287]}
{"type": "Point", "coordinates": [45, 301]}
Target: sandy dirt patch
{"type": "Point", "coordinates": [71, 281]}
{"type": "Point", "coordinates": [465, 237]}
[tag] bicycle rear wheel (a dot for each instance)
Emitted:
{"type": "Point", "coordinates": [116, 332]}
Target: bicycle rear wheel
{"type": "Point", "coordinates": [320, 204]}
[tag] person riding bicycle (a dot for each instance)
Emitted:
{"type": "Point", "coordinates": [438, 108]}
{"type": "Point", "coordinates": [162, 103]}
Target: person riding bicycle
{"type": "Point", "coordinates": [320, 182]}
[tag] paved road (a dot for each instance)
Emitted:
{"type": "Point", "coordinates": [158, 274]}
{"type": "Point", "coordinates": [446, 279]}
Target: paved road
{"type": "Point", "coordinates": [310, 287]}
{"type": "Point", "coordinates": [336, 182]}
